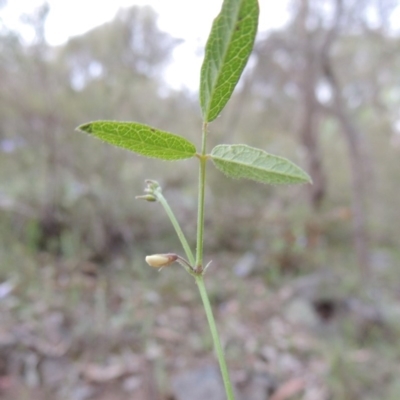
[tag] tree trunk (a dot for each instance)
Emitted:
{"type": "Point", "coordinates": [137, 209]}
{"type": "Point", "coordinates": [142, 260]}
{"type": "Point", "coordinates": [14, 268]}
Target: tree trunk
{"type": "Point", "coordinates": [308, 127]}
{"type": "Point", "coordinates": [353, 139]}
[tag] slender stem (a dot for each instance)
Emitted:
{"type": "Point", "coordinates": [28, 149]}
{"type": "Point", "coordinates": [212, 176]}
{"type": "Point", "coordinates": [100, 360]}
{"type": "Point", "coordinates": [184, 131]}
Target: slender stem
{"type": "Point", "coordinates": [215, 337]}
{"type": "Point", "coordinates": [198, 262]}
{"type": "Point", "coordinates": [177, 227]}
{"type": "Point", "coordinates": [200, 214]}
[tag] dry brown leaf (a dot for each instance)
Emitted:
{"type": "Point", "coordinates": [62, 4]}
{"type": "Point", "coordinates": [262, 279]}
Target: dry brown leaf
{"type": "Point", "coordinates": [103, 373]}
{"type": "Point", "coordinates": [289, 389]}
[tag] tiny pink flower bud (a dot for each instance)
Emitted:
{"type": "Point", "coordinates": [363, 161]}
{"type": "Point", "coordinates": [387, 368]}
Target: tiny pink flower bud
{"type": "Point", "coordinates": [161, 260]}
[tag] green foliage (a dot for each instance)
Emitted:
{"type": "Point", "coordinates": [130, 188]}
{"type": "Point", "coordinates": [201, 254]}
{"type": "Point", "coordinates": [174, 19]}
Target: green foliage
{"type": "Point", "coordinates": [141, 139]}
{"type": "Point", "coordinates": [242, 161]}
{"type": "Point", "coordinates": [228, 48]}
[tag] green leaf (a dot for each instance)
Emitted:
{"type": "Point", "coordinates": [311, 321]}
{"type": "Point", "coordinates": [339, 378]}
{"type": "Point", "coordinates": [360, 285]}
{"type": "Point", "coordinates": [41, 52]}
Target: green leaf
{"type": "Point", "coordinates": [141, 139]}
{"type": "Point", "coordinates": [228, 48]}
{"type": "Point", "coordinates": [241, 161]}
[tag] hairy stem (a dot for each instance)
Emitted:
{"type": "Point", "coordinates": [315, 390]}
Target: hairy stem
{"type": "Point", "coordinates": [199, 269]}
{"type": "Point", "coordinates": [215, 337]}
{"type": "Point", "coordinates": [200, 214]}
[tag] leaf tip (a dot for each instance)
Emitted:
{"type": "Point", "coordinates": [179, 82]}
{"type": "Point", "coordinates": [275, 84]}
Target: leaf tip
{"type": "Point", "coordinates": [307, 179]}
{"type": "Point", "coordinates": [88, 128]}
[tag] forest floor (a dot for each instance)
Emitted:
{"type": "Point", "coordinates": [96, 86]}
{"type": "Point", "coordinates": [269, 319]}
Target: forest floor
{"type": "Point", "coordinates": [76, 331]}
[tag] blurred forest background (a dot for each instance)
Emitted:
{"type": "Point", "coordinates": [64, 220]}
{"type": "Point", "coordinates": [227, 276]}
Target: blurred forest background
{"type": "Point", "coordinates": [304, 280]}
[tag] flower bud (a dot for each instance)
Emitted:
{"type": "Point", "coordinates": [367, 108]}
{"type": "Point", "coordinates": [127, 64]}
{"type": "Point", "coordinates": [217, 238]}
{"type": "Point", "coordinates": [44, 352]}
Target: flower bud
{"type": "Point", "coordinates": [161, 260]}
{"type": "Point", "coordinates": [152, 185]}
{"type": "Point", "coordinates": [147, 197]}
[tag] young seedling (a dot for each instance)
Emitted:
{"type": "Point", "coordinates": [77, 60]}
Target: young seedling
{"type": "Point", "coordinates": [227, 51]}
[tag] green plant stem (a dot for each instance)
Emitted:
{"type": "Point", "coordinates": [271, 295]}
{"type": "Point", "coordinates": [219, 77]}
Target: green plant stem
{"type": "Point", "coordinates": [215, 337]}
{"type": "Point", "coordinates": [199, 269]}
{"type": "Point", "coordinates": [202, 189]}
{"type": "Point", "coordinates": [177, 227]}
{"type": "Point", "coordinates": [198, 262]}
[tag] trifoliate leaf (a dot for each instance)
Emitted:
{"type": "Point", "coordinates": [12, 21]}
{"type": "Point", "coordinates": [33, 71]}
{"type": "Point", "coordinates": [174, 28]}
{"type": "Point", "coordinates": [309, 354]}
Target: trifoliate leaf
{"type": "Point", "coordinates": [228, 48]}
{"type": "Point", "coordinates": [242, 161]}
{"type": "Point", "coordinates": [141, 139]}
